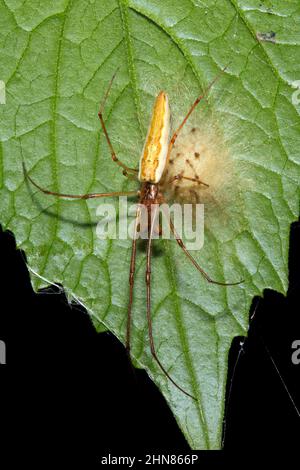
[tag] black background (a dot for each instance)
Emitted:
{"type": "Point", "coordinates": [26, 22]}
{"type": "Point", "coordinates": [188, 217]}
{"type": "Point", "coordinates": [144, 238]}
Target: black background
{"type": "Point", "coordinates": [69, 395]}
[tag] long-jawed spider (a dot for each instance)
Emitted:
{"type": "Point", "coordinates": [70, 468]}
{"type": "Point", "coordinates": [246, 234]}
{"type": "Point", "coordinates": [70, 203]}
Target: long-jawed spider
{"type": "Point", "coordinates": [153, 164]}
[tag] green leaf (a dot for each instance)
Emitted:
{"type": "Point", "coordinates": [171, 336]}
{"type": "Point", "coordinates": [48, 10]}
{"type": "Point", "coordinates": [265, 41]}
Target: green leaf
{"type": "Point", "coordinates": [57, 59]}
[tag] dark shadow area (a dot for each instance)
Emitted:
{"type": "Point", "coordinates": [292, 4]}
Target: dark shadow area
{"type": "Point", "coordinates": [260, 412]}
{"type": "Point", "coordinates": [69, 392]}
{"type": "Point", "coordinates": [69, 395]}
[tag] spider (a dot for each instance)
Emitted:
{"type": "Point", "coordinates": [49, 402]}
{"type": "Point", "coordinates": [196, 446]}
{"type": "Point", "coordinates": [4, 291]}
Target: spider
{"type": "Point", "coordinates": [152, 167]}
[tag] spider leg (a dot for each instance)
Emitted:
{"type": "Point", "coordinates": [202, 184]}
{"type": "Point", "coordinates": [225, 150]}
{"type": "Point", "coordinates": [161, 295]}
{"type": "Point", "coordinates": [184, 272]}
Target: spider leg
{"type": "Point", "coordinates": [194, 262]}
{"type": "Point", "coordinates": [76, 196]}
{"type": "Point", "coordinates": [151, 225]}
{"type": "Point", "coordinates": [196, 102]}
{"type": "Point", "coordinates": [181, 177]}
{"type": "Point", "coordinates": [131, 280]}
{"type": "Point", "coordinates": [113, 153]}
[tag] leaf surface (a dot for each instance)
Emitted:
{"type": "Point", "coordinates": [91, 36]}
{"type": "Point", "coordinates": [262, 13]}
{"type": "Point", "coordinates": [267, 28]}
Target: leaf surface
{"type": "Point", "coordinates": [57, 59]}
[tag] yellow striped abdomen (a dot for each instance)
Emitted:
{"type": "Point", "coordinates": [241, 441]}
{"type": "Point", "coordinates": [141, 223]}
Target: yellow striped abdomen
{"type": "Point", "coordinates": [154, 157]}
